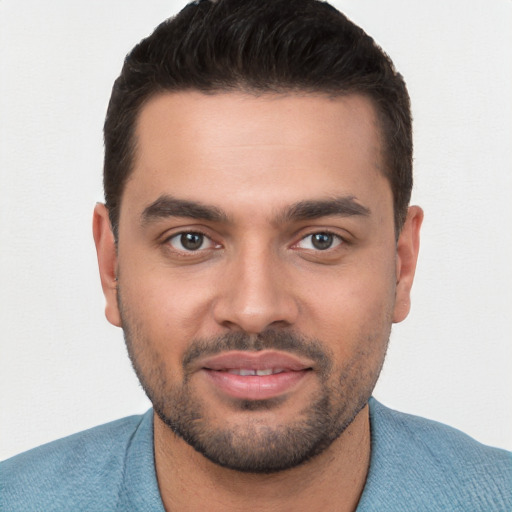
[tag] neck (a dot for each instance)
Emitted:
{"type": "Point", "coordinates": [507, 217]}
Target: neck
{"type": "Point", "coordinates": [334, 480]}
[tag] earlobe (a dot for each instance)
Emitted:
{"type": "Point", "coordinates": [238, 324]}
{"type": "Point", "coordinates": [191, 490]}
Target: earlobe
{"type": "Point", "coordinates": [107, 261]}
{"type": "Point", "coordinates": [406, 258]}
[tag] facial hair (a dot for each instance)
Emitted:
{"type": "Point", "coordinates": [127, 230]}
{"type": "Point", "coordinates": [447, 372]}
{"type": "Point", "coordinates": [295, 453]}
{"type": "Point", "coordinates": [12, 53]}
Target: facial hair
{"type": "Point", "coordinates": [254, 446]}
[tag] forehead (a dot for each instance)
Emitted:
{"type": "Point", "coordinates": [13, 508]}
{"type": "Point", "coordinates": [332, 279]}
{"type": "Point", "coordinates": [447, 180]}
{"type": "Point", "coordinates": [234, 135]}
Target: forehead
{"type": "Point", "coordinates": [239, 148]}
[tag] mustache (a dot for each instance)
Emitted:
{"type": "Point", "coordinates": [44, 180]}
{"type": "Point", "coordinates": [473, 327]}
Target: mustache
{"type": "Point", "coordinates": [270, 339]}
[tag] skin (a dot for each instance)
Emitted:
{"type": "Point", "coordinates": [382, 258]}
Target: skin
{"type": "Point", "coordinates": [252, 159]}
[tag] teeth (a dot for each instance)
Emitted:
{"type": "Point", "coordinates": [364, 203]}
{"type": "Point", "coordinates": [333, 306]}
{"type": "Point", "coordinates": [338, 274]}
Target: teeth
{"type": "Point", "coordinates": [245, 372]}
{"type": "Point", "coordinates": [264, 372]}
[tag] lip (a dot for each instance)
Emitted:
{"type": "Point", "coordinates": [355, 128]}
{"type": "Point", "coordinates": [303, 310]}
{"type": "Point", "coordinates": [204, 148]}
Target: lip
{"type": "Point", "coordinates": [256, 361]}
{"type": "Point", "coordinates": [292, 371]}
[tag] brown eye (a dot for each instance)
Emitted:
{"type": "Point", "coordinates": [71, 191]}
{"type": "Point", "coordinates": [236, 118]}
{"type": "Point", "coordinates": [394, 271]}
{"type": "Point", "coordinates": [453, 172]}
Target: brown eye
{"type": "Point", "coordinates": [320, 241]}
{"type": "Point", "coordinates": [190, 241]}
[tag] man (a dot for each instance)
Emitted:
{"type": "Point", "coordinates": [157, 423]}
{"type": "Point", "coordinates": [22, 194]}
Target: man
{"type": "Point", "coordinates": [256, 246]}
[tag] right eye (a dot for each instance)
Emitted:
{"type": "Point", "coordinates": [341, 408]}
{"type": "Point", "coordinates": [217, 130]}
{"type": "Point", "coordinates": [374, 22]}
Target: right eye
{"type": "Point", "coordinates": [190, 241]}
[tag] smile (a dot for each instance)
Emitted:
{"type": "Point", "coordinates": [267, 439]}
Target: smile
{"type": "Point", "coordinates": [255, 375]}
{"type": "Point", "coordinates": [246, 372]}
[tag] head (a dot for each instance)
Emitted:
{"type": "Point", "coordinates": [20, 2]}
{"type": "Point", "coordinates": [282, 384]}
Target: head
{"type": "Point", "coordinates": [256, 243]}
{"type": "Point", "coordinates": [280, 46]}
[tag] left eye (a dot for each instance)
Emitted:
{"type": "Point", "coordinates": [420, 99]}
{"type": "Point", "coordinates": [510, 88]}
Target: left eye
{"type": "Point", "coordinates": [190, 241]}
{"type": "Point", "coordinates": [320, 241]}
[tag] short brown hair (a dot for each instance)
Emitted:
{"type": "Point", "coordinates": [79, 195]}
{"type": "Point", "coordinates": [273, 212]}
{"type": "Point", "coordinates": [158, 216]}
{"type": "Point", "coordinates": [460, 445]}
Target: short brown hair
{"type": "Point", "coordinates": [259, 46]}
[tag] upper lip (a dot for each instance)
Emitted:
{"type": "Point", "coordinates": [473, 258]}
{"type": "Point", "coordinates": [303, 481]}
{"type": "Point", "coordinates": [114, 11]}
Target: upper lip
{"type": "Point", "coordinates": [255, 361]}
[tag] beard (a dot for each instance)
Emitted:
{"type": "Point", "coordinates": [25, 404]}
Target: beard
{"type": "Point", "coordinates": [253, 445]}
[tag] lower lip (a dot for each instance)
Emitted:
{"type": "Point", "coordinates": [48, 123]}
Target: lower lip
{"type": "Point", "coordinates": [255, 387]}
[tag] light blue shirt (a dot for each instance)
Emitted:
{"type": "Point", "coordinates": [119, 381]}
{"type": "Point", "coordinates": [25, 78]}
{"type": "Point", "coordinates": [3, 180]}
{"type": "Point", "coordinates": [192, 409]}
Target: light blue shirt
{"type": "Point", "coordinates": [416, 465]}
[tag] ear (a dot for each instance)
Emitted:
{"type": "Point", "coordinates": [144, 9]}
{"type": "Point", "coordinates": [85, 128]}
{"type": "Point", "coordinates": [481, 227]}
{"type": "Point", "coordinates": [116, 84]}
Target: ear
{"type": "Point", "coordinates": [107, 261]}
{"type": "Point", "coordinates": [407, 249]}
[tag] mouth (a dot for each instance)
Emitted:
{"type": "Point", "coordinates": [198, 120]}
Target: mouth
{"type": "Point", "coordinates": [255, 375]}
{"type": "Point", "coordinates": [245, 372]}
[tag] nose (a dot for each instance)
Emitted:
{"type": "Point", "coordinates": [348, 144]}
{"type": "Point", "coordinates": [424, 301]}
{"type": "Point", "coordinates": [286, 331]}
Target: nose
{"type": "Point", "coordinates": [255, 294]}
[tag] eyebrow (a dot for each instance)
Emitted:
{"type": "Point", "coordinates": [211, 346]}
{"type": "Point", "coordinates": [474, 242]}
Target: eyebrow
{"type": "Point", "coordinates": [168, 206]}
{"type": "Point", "coordinates": [344, 206]}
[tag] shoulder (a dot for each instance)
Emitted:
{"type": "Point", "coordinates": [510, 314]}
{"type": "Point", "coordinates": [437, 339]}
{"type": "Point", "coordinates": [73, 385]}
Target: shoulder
{"type": "Point", "coordinates": [431, 466]}
{"type": "Point", "coordinates": [78, 472]}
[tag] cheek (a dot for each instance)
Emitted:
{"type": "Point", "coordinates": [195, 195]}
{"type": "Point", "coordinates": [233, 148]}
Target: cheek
{"type": "Point", "coordinates": [168, 311]}
{"type": "Point", "coordinates": [354, 308]}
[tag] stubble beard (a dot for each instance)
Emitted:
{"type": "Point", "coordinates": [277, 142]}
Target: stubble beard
{"type": "Point", "coordinates": [254, 446]}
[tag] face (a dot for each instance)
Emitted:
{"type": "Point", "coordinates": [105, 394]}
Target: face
{"type": "Point", "coordinates": [258, 272]}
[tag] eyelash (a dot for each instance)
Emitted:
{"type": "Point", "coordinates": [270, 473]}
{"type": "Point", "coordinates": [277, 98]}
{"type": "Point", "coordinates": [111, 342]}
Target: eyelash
{"type": "Point", "coordinates": [337, 240]}
{"type": "Point", "coordinates": [183, 250]}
